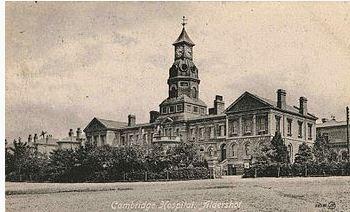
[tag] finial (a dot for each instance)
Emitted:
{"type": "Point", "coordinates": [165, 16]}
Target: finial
{"type": "Point", "coordinates": [184, 19]}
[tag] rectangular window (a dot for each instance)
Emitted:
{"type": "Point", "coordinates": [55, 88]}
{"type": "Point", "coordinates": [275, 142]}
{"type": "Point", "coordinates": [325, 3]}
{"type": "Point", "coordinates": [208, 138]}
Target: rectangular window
{"type": "Point", "coordinates": [151, 137]}
{"type": "Point", "coordinates": [189, 108]}
{"type": "Point", "coordinates": [278, 123]}
{"type": "Point", "coordinates": [309, 126]}
{"type": "Point", "coordinates": [172, 109]}
{"type": "Point", "coordinates": [247, 126]}
{"type": "Point", "coordinates": [144, 138]}
{"type": "Point", "coordinates": [195, 109]}
{"type": "Point", "coordinates": [164, 109]}
{"type": "Point", "coordinates": [222, 130]}
{"type": "Point", "coordinates": [192, 132]}
{"type": "Point", "coordinates": [122, 140]}
{"type": "Point", "coordinates": [300, 129]}
{"type": "Point", "coordinates": [261, 125]}
{"type": "Point", "coordinates": [201, 132]}
{"type": "Point", "coordinates": [212, 132]}
{"type": "Point", "coordinates": [131, 138]}
{"type": "Point", "coordinates": [234, 127]}
{"type": "Point", "coordinates": [289, 127]}
{"type": "Point", "coordinates": [202, 111]}
{"type": "Point", "coordinates": [179, 108]}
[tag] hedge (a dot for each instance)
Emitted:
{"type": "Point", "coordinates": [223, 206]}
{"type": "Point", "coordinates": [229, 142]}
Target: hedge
{"type": "Point", "coordinates": [298, 170]}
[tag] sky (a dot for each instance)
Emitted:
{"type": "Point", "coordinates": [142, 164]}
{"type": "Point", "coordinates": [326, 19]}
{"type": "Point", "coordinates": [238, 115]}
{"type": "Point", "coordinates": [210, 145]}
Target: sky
{"type": "Point", "coordinates": [67, 62]}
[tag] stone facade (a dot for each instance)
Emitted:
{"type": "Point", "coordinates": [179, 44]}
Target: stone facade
{"type": "Point", "coordinates": [229, 135]}
{"type": "Point", "coordinates": [335, 133]}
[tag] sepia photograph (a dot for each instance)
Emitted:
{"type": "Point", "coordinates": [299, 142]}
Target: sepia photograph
{"type": "Point", "coordinates": [176, 106]}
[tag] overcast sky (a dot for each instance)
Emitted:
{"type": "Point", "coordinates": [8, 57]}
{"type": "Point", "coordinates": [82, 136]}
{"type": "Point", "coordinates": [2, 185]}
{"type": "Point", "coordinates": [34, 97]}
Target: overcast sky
{"type": "Point", "coordinates": [69, 62]}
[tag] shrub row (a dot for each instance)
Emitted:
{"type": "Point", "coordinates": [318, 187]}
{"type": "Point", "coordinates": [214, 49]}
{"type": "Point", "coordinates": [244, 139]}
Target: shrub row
{"type": "Point", "coordinates": [298, 170]}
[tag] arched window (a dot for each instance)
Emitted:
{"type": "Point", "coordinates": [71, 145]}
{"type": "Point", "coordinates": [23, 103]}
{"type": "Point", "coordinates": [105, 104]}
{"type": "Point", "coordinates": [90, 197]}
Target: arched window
{"type": "Point", "coordinates": [194, 92]}
{"type": "Point", "coordinates": [173, 92]}
{"type": "Point", "coordinates": [223, 151]}
{"type": "Point", "coordinates": [233, 146]}
{"type": "Point", "coordinates": [247, 148]}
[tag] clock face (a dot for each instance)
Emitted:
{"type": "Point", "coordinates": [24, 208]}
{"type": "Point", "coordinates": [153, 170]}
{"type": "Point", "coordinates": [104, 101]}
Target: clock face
{"type": "Point", "coordinates": [179, 51]}
{"type": "Point", "coordinates": [188, 51]}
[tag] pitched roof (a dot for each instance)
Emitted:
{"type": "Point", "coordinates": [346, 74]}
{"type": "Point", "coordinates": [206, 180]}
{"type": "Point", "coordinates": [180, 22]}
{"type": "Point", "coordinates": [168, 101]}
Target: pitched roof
{"type": "Point", "coordinates": [331, 123]}
{"type": "Point", "coordinates": [270, 103]}
{"type": "Point", "coordinates": [184, 38]}
{"type": "Point", "coordinates": [112, 124]}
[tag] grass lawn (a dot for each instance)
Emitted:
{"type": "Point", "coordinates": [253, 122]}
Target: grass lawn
{"type": "Point", "coordinates": [262, 194]}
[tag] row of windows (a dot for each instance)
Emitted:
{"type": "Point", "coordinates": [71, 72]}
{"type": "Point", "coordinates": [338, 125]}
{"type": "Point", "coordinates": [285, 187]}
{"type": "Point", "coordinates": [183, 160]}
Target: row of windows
{"type": "Point", "coordinates": [290, 127]}
{"type": "Point", "coordinates": [209, 131]}
{"type": "Point", "coordinates": [136, 137]}
{"type": "Point", "coordinates": [247, 126]}
{"type": "Point", "coordinates": [172, 109]}
{"type": "Point", "coordinates": [179, 108]}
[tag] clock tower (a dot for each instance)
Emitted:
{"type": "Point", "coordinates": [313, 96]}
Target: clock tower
{"type": "Point", "coordinates": [183, 81]}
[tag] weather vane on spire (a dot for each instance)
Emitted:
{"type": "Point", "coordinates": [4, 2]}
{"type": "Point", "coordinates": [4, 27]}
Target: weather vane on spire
{"type": "Point", "coordinates": [184, 19]}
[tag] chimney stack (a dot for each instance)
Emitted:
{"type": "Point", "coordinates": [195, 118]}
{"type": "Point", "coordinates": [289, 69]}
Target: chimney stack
{"type": "Point", "coordinates": [219, 104]}
{"type": "Point", "coordinates": [47, 138]}
{"type": "Point", "coordinates": [153, 115]}
{"type": "Point", "coordinates": [78, 133]}
{"type": "Point", "coordinates": [303, 105]}
{"type": "Point", "coordinates": [131, 120]}
{"type": "Point", "coordinates": [281, 98]}
{"type": "Point", "coordinates": [35, 138]}
{"type": "Point", "coordinates": [30, 139]}
{"type": "Point", "coordinates": [70, 133]}
{"type": "Point", "coordinates": [324, 120]}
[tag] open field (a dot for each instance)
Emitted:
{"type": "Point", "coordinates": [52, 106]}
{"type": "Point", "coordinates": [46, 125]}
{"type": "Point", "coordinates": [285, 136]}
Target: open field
{"type": "Point", "coordinates": [262, 194]}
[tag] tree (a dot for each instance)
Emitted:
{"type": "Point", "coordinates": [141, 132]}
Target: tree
{"type": "Point", "coordinates": [304, 154]}
{"type": "Point", "coordinates": [183, 155]}
{"type": "Point", "coordinates": [321, 150]}
{"type": "Point", "coordinates": [277, 152]}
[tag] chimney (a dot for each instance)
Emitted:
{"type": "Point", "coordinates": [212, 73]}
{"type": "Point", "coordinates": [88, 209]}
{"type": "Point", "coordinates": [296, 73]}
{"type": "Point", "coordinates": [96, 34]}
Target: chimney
{"type": "Point", "coordinates": [324, 120]}
{"type": "Point", "coordinates": [131, 120]}
{"type": "Point", "coordinates": [70, 133]}
{"type": "Point", "coordinates": [153, 115]}
{"type": "Point", "coordinates": [47, 138]}
{"type": "Point", "coordinates": [303, 105]}
{"type": "Point", "coordinates": [219, 104]}
{"type": "Point", "coordinates": [30, 139]}
{"type": "Point", "coordinates": [78, 133]}
{"type": "Point", "coordinates": [35, 138]}
{"type": "Point", "coordinates": [281, 98]}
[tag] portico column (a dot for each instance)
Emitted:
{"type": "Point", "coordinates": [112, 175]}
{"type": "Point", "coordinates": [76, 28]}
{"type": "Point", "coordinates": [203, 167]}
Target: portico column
{"type": "Point", "coordinates": [254, 125]}
{"type": "Point", "coordinates": [240, 126]}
